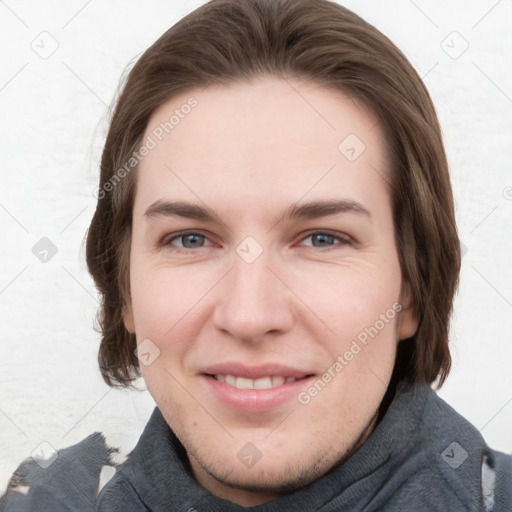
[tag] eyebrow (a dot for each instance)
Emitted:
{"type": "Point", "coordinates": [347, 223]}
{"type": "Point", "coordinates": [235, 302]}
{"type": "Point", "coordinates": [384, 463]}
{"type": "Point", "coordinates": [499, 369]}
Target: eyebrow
{"type": "Point", "coordinates": [311, 210]}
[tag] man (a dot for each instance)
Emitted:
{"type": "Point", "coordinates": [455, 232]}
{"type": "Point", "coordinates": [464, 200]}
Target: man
{"type": "Point", "coordinates": [276, 249]}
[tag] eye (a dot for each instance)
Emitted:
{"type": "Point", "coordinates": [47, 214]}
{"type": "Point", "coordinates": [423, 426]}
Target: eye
{"type": "Point", "coordinates": [191, 240]}
{"type": "Point", "coordinates": [325, 239]}
{"type": "Point", "coordinates": [186, 241]}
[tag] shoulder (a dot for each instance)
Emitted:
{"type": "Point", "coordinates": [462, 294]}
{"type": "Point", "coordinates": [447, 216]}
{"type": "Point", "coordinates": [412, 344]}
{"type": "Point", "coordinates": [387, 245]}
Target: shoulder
{"type": "Point", "coordinates": [467, 444]}
{"type": "Point", "coordinates": [452, 461]}
{"type": "Point", "coordinates": [496, 481]}
{"type": "Point", "coordinates": [67, 481]}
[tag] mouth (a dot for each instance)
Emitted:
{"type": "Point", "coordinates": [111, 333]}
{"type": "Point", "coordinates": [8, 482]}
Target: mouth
{"type": "Point", "coordinates": [255, 389]}
{"type": "Point", "coordinates": [268, 382]}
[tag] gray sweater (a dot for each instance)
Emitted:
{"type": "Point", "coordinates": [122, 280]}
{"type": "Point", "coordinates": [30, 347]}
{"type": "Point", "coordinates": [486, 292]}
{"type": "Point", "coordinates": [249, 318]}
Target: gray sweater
{"type": "Point", "coordinates": [422, 457]}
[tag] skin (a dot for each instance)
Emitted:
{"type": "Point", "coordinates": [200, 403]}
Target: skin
{"type": "Point", "coordinates": [248, 151]}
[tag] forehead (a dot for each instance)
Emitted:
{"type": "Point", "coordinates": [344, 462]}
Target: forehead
{"type": "Point", "coordinates": [253, 139]}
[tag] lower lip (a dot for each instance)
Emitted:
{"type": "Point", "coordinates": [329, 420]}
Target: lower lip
{"type": "Point", "coordinates": [255, 400]}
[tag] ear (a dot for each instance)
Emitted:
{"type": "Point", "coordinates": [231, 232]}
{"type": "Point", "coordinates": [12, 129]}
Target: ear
{"type": "Point", "coordinates": [407, 318]}
{"type": "Point", "coordinates": [128, 320]}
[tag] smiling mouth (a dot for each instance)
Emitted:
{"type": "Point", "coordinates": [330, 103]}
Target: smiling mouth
{"type": "Point", "coordinates": [268, 382]}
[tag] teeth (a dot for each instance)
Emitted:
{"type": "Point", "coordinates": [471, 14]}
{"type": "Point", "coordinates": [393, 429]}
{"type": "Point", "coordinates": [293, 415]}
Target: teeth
{"type": "Point", "coordinates": [243, 383]}
{"type": "Point", "coordinates": [262, 383]}
{"type": "Point", "coordinates": [277, 381]}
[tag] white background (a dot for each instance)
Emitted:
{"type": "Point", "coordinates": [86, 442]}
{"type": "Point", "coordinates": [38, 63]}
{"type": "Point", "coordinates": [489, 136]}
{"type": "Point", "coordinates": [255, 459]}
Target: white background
{"type": "Point", "coordinates": [52, 130]}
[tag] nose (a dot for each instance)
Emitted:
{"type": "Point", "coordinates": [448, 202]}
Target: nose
{"type": "Point", "coordinates": [253, 302]}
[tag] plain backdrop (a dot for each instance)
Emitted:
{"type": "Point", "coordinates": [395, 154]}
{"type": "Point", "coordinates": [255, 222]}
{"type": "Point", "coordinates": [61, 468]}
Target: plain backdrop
{"type": "Point", "coordinates": [61, 64]}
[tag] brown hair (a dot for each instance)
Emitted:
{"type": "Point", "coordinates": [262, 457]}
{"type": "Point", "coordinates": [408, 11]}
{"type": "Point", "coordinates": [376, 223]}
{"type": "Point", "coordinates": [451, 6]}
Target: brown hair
{"type": "Point", "coordinates": [228, 40]}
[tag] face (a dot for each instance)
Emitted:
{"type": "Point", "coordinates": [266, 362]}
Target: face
{"type": "Point", "coordinates": [265, 282]}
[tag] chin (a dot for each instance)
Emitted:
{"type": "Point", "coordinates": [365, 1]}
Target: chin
{"type": "Point", "coordinates": [277, 476]}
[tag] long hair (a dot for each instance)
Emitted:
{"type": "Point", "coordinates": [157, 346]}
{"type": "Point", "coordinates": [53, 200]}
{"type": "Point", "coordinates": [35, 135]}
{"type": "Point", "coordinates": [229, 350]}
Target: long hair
{"type": "Point", "coordinates": [225, 41]}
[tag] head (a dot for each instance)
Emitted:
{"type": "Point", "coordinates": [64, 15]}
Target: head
{"type": "Point", "coordinates": [274, 204]}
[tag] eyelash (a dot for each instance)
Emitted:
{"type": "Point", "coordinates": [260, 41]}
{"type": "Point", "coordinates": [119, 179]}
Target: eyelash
{"type": "Point", "coordinates": [343, 239]}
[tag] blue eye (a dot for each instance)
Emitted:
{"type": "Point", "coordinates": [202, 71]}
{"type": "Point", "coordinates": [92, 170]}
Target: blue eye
{"type": "Point", "coordinates": [327, 239]}
{"type": "Point", "coordinates": [189, 240]}
{"type": "Point", "coordinates": [193, 240]}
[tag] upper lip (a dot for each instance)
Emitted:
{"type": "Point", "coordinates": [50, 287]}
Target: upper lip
{"type": "Point", "coordinates": [255, 372]}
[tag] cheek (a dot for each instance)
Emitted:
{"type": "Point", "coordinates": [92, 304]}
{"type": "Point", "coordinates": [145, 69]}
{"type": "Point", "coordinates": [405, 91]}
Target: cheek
{"type": "Point", "coordinates": [158, 294]}
{"type": "Point", "coordinates": [166, 303]}
{"type": "Point", "coordinates": [150, 300]}
{"type": "Point", "coordinates": [364, 307]}
{"type": "Point", "coordinates": [350, 298]}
